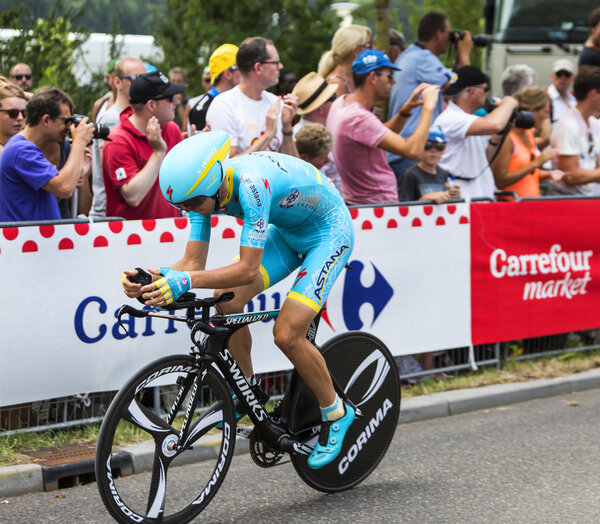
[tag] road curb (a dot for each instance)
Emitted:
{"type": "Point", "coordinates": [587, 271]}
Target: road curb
{"type": "Point", "coordinates": [29, 478]}
{"type": "Point", "coordinates": [472, 399]}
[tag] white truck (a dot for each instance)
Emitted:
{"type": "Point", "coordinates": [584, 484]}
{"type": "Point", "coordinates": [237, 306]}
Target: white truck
{"type": "Point", "coordinates": [536, 33]}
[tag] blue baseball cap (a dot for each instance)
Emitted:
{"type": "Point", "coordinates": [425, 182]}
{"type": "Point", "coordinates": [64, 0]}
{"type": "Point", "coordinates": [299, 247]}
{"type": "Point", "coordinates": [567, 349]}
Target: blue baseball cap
{"type": "Point", "coordinates": [370, 60]}
{"type": "Point", "coordinates": [436, 134]}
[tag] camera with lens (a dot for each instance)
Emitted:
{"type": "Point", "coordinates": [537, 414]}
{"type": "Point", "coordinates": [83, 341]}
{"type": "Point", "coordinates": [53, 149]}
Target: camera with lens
{"type": "Point", "coordinates": [100, 131]}
{"type": "Point", "coordinates": [521, 119]}
{"type": "Point", "coordinates": [478, 40]}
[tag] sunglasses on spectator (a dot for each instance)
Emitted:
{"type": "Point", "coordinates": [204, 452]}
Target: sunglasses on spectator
{"type": "Point", "coordinates": [128, 77]}
{"type": "Point", "coordinates": [68, 120]}
{"type": "Point", "coordinates": [564, 73]}
{"type": "Point", "coordinates": [191, 204]}
{"type": "Point", "coordinates": [440, 146]}
{"type": "Point", "coordinates": [14, 113]}
{"type": "Point", "coordinates": [20, 77]}
{"type": "Point", "coordinates": [485, 88]}
{"type": "Point", "coordinates": [170, 98]}
{"type": "Point", "coordinates": [274, 62]}
{"type": "Point", "coordinates": [591, 144]}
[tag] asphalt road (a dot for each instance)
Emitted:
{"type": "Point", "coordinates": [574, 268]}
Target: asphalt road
{"type": "Point", "coordinates": [533, 462]}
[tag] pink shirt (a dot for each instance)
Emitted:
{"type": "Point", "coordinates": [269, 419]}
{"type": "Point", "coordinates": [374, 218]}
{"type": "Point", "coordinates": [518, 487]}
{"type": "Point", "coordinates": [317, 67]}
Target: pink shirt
{"type": "Point", "coordinates": [363, 167]}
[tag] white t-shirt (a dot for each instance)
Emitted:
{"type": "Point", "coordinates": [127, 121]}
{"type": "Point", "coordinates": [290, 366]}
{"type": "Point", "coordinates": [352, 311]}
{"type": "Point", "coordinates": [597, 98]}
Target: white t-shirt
{"type": "Point", "coordinates": [559, 106]}
{"type": "Point", "coordinates": [573, 136]}
{"type": "Point", "coordinates": [109, 118]}
{"type": "Point", "coordinates": [465, 155]}
{"type": "Point", "coordinates": [243, 118]}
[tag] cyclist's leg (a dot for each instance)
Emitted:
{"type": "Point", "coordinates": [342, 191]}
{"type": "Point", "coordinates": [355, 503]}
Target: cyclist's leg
{"type": "Point", "coordinates": [240, 343]}
{"type": "Point", "coordinates": [290, 336]}
{"type": "Point", "coordinates": [328, 243]}
{"type": "Point", "coordinates": [278, 261]}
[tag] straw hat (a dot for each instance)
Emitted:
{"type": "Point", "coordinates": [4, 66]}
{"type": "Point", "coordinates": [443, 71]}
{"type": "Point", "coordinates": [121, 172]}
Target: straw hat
{"type": "Point", "coordinates": [312, 91]}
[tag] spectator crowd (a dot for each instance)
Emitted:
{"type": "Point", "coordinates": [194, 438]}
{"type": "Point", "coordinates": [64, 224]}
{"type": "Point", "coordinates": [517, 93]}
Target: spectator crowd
{"type": "Point", "coordinates": [442, 137]}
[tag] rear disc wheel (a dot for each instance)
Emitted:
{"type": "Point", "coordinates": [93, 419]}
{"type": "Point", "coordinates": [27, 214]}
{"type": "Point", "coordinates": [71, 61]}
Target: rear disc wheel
{"type": "Point", "coordinates": [366, 371]}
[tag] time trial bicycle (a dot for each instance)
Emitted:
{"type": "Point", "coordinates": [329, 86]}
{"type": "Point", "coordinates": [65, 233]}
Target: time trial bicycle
{"type": "Point", "coordinates": [196, 414]}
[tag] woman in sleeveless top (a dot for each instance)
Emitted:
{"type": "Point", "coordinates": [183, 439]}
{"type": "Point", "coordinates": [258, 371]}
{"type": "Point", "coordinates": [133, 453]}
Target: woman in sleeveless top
{"type": "Point", "coordinates": [335, 65]}
{"type": "Point", "coordinates": [518, 167]}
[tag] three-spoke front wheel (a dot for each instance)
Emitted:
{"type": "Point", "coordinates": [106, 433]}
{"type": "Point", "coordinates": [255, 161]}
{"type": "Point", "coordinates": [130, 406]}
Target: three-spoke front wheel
{"type": "Point", "coordinates": [147, 416]}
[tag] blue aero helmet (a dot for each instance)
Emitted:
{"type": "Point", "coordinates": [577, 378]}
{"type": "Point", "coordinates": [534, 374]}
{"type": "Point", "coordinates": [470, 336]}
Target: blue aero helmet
{"type": "Point", "coordinates": [436, 134]}
{"type": "Point", "coordinates": [194, 167]}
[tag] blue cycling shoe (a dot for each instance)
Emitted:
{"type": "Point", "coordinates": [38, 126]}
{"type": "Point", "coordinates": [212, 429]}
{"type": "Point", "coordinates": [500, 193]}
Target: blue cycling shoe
{"type": "Point", "coordinates": [331, 439]}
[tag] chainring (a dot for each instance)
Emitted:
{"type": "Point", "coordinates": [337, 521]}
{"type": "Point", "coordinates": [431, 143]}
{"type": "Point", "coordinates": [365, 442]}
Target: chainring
{"type": "Point", "coordinates": [261, 453]}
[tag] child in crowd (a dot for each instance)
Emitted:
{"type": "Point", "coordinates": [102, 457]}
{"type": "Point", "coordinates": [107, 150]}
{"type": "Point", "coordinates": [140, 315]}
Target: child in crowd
{"type": "Point", "coordinates": [426, 180]}
{"type": "Point", "coordinates": [314, 143]}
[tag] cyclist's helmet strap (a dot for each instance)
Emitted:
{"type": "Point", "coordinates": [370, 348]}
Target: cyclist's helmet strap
{"type": "Point", "coordinates": [194, 167]}
{"type": "Point", "coordinates": [217, 199]}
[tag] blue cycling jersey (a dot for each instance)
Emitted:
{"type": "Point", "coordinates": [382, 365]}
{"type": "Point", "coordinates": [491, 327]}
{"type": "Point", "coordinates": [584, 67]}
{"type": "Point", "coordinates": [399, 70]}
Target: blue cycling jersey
{"type": "Point", "coordinates": [270, 188]}
{"type": "Point", "coordinates": [293, 212]}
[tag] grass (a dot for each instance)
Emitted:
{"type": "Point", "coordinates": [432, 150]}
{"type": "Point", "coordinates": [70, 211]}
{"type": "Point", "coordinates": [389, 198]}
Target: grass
{"type": "Point", "coordinates": [12, 447]}
{"type": "Point", "coordinates": [511, 371]}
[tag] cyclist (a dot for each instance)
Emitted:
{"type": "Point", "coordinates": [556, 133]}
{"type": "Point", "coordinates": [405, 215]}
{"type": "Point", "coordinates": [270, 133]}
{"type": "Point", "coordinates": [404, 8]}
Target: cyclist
{"type": "Point", "coordinates": [292, 217]}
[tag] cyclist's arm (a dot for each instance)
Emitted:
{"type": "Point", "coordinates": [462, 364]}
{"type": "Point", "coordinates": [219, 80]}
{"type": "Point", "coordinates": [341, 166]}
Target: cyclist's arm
{"type": "Point", "coordinates": [194, 258]}
{"type": "Point", "coordinates": [242, 272]}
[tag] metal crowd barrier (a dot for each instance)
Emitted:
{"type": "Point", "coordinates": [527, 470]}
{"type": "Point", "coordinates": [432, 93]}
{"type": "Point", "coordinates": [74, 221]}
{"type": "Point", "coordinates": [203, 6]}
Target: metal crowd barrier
{"type": "Point", "coordinates": [78, 410]}
{"type": "Point", "coordinates": [65, 412]}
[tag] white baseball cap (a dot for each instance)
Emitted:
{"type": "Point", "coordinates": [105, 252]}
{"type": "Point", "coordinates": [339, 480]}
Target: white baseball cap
{"type": "Point", "coordinates": [563, 64]}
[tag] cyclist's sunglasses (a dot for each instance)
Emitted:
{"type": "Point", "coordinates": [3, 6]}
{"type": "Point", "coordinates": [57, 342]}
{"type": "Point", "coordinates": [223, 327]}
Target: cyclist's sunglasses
{"type": "Point", "coordinates": [440, 146]}
{"type": "Point", "coordinates": [14, 113]}
{"type": "Point", "coordinates": [191, 204]}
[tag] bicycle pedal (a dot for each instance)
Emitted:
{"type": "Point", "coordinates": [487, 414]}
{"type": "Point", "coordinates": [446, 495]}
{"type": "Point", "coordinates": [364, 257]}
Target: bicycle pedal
{"type": "Point", "coordinates": [243, 431]}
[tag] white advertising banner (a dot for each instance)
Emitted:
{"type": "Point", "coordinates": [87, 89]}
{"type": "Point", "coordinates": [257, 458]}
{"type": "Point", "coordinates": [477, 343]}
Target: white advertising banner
{"type": "Point", "coordinates": [409, 286]}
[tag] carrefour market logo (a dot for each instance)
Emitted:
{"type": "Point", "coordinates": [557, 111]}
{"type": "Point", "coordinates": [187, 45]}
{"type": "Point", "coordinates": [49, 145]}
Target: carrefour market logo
{"type": "Point", "coordinates": [356, 294]}
{"type": "Point", "coordinates": [556, 263]}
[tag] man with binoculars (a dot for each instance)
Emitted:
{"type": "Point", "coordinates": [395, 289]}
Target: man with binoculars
{"type": "Point", "coordinates": [420, 63]}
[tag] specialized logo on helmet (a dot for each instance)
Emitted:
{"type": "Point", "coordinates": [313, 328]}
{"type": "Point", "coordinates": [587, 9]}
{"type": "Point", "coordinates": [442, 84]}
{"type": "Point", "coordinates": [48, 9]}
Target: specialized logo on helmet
{"type": "Point", "coordinates": [170, 193]}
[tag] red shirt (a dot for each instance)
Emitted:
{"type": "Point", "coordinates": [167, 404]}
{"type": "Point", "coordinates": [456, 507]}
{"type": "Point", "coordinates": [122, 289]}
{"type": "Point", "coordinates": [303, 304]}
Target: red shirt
{"type": "Point", "coordinates": [123, 158]}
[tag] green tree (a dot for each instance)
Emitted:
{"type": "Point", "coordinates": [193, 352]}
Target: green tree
{"type": "Point", "coordinates": [48, 47]}
{"type": "Point", "coordinates": [192, 29]}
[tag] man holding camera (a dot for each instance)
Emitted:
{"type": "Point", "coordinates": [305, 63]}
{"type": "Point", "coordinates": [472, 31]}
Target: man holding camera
{"type": "Point", "coordinates": [469, 145]}
{"type": "Point", "coordinates": [137, 146]}
{"type": "Point", "coordinates": [29, 182]}
{"type": "Point", "coordinates": [420, 63]}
